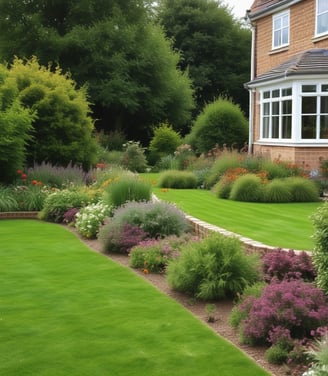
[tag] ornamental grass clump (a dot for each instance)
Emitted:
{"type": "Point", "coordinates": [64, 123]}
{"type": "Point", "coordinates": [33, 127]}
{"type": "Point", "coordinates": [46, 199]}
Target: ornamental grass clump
{"type": "Point", "coordinates": [89, 219]}
{"type": "Point", "coordinates": [214, 268]}
{"type": "Point", "coordinates": [8, 201]}
{"type": "Point", "coordinates": [177, 179]}
{"type": "Point", "coordinates": [247, 188]}
{"type": "Point", "coordinates": [277, 191]}
{"type": "Point", "coordinates": [302, 189]}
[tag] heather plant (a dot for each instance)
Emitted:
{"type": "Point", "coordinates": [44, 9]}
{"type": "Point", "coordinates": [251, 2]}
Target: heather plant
{"type": "Point", "coordinates": [69, 217]}
{"type": "Point", "coordinates": [177, 179]}
{"type": "Point", "coordinates": [302, 189]}
{"type": "Point", "coordinates": [56, 204]}
{"type": "Point", "coordinates": [320, 251]}
{"type": "Point", "coordinates": [127, 188]}
{"type": "Point", "coordinates": [90, 218]}
{"type": "Point", "coordinates": [248, 188]}
{"type": "Point", "coordinates": [287, 265]}
{"type": "Point", "coordinates": [134, 158]}
{"type": "Point", "coordinates": [120, 237]}
{"type": "Point", "coordinates": [295, 305]}
{"type": "Point", "coordinates": [214, 268]}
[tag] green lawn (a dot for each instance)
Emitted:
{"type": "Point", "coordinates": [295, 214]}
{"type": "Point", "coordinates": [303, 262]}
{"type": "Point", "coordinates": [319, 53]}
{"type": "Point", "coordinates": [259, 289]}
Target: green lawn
{"type": "Point", "coordinates": [278, 225]}
{"type": "Point", "coordinates": [68, 311]}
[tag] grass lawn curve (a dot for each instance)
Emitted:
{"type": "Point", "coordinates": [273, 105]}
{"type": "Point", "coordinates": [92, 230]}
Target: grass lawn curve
{"type": "Point", "coordinates": [68, 311]}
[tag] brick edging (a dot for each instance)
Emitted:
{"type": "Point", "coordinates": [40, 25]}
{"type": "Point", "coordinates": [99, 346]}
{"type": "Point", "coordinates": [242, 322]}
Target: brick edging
{"type": "Point", "coordinates": [19, 215]}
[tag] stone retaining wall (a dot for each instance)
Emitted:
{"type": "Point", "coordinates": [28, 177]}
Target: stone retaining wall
{"type": "Point", "coordinates": [19, 215]}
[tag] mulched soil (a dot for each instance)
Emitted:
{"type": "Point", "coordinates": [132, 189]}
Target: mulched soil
{"type": "Point", "coordinates": [221, 324]}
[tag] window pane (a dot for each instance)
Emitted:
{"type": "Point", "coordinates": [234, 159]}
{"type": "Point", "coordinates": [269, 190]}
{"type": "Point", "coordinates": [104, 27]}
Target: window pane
{"type": "Point", "coordinates": [285, 20]}
{"type": "Point", "coordinates": [324, 88]}
{"type": "Point", "coordinates": [287, 127]}
{"type": "Point", "coordinates": [275, 127]}
{"type": "Point", "coordinates": [309, 88]}
{"type": "Point", "coordinates": [277, 23]}
{"type": "Point", "coordinates": [284, 36]}
{"type": "Point", "coordinates": [309, 105]}
{"type": "Point", "coordinates": [308, 127]}
{"type": "Point", "coordinates": [275, 108]}
{"type": "Point", "coordinates": [265, 129]}
{"type": "Point", "coordinates": [266, 94]}
{"type": "Point", "coordinates": [322, 6]}
{"type": "Point", "coordinates": [324, 126]}
{"type": "Point", "coordinates": [275, 93]}
{"type": "Point", "coordinates": [287, 107]}
{"type": "Point", "coordinates": [322, 23]}
{"type": "Point", "coordinates": [324, 105]}
{"type": "Point", "coordinates": [266, 109]}
{"type": "Point", "coordinates": [287, 92]}
{"type": "Point", "coordinates": [277, 39]}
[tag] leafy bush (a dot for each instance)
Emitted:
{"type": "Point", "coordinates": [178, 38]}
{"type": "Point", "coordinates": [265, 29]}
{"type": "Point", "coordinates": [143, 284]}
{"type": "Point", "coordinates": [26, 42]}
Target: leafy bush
{"type": "Point", "coordinates": [222, 188]}
{"type": "Point", "coordinates": [164, 142]}
{"type": "Point", "coordinates": [113, 157]}
{"type": "Point", "coordinates": [302, 189]}
{"type": "Point", "coordinates": [294, 305]}
{"type": "Point", "coordinates": [89, 219]}
{"type": "Point", "coordinates": [168, 162]}
{"type": "Point", "coordinates": [58, 203]}
{"type": "Point", "coordinates": [29, 197]}
{"type": "Point", "coordinates": [277, 354]}
{"type": "Point", "coordinates": [120, 237]}
{"type": "Point", "coordinates": [275, 169]}
{"type": "Point", "coordinates": [221, 123]}
{"type": "Point", "coordinates": [281, 264]}
{"type": "Point", "coordinates": [177, 179]}
{"type": "Point", "coordinates": [113, 140]}
{"type": "Point", "coordinates": [153, 255]}
{"type": "Point", "coordinates": [247, 188]}
{"type": "Point", "coordinates": [134, 158]}
{"type": "Point", "coordinates": [277, 191]}
{"type": "Point", "coordinates": [185, 157]}
{"type": "Point", "coordinates": [320, 251]}
{"type": "Point", "coordinates": [8, 201]}
{"type": "Point", "coordinates": [127, 188]}
{"type": "Point", "coordinates": [214, 268]}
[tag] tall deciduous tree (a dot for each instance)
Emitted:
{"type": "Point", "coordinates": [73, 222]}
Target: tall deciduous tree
{"type": "Point", "coordinates": [129, 66]}
{"type": "Point", "coordinates": [214, 46]}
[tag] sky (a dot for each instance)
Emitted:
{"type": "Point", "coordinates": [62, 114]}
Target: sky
{"type": "Point", "coordinates": [239, 7]}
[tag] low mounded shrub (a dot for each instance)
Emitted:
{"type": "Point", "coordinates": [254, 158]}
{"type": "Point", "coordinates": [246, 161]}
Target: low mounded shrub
{"type": "Point", "coordinates": [225, 162]}
{"type": "Point", "coordinates": [58, 203]}
{"type": "Point", "coordinates": [125, 189]}
{"type": "Point", "coordinates": [248, 188]}
{"type": "Point", "coordinates": [286, 265]}
{"type": "Point", "coordinates": [302, 189]}
{"type": "Point", "coordinates": [291, 307]}
{"type": "Point", "coordinates": [214, 268]}
{"type": "Point", "coordinates": [177, 179]}
{"type": "Point", "coordinates": [277, 354]}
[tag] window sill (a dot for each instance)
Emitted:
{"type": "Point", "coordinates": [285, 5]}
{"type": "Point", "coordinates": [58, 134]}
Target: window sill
{"type": "Point", "coordinates": [279, 50]}
{"type": "Point", "coordinates": [292, 143]}
{"type": "Point", "coordinates": [319, 38]}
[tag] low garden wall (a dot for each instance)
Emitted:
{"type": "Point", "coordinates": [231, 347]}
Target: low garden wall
{"type": "Point", "coordinates": [19, 215]}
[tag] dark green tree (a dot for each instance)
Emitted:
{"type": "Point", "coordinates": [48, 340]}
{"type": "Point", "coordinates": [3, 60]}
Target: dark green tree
{"type": "Point", "coordinates": [214, 47]}
{"type": "Point", "coordinates": [129, 66]}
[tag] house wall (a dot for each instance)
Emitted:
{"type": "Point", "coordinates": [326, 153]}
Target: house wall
{"type": "Point", "coordinates": [302, 32]}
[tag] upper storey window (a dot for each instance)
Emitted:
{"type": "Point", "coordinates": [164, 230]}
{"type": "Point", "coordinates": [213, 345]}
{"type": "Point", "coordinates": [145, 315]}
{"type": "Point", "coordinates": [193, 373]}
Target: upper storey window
{"type": "Point", "coordinates": [322, 17]}
{"type": "Point", "coordinates": [280, 29]}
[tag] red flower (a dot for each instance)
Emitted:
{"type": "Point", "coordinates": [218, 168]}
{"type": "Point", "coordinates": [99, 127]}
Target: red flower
{"type": "Point", "coordinates": [34, 182]}
{"type": "Point", "coordinates": [19, 172]}
{"type": "Point", "coordinates": [23, 176]}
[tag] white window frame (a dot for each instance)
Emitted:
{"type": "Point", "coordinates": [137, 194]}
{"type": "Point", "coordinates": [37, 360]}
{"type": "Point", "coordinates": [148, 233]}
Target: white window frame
{"type": "Point", "coordinates": [320, 14]}
{"type": "Point", "coordinates": [281, 28]}
{"type": "Point", "coordinates": [296, 112]}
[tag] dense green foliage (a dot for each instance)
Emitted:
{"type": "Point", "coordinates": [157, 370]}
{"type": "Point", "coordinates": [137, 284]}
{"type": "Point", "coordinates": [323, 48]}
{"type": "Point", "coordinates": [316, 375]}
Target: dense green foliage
{"type": "Point", "coordinates": [221, 123]}
{"type": "Point", "coordinates": [177, 179]}
{"type": "Point", "coordinates": [215, 48]}
{"type": "Point", "coordinates": [113, 47]}
{"type": "Point", "coordinates": [214, 268]}
{"type": "Point", "coordinates": [247, 188]}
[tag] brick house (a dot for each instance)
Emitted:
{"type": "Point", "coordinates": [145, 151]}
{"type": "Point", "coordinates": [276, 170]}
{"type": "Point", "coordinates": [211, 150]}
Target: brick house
{"type": "Point", "coordinates": [289, 80]}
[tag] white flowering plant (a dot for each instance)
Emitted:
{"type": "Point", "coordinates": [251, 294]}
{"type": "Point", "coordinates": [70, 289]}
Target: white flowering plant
{"type": "Point", "coordinates": [90, 218]}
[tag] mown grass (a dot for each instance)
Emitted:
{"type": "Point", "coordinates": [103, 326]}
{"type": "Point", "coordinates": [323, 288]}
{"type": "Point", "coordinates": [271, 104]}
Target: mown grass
{"type": "Point", "coordinates": [285, 225]}
{"type": "Point", "coordinates": [65, 310]}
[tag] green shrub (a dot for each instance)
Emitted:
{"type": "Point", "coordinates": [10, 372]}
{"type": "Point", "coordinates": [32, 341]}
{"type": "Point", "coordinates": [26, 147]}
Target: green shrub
{"type": "Point", "coordinates": [113, 157]}
{"type": "Point", "coordinates": [134, 158]}
{"type": "Point", "coordinates": [177, 179]}
{"type": "Point", "coordinates": [214, 268]}
{"type": "Point", "coordinates": [320, 251]}
{"type": "Point", "coordinates": [221, 123]}
{"type": "Point", "coordinates": [29, 198]}
{"type": "Point", "coordinates": [104, 177]}
{"type": "Point", "coordinates": [277, 191]}
{"type": "Point", "coordinates": [89, 219]}
{"type": "Point", "coordinates": [319, 356]}
{"type": "Point", "coordinates": [302, 189]}
{"type": "Point", "coordinates": [127, 188]}
{"type": "Point", "coordinates": [164, 142]}
{"type": "Point", "coordinates": [8, 201]}
{"type": "Point", "coordinates": [58, 203]}
{"type": "Point", "coordinates": [222, 188]}
{"type": "Point", "coordinates": [168, 162]}
{"type": "Point", "coordinates": [275, 169]}
{"type": "Point", "coordinates": [112, 140]}
{"type": "Point", "coordinates": [277, 354]}
{"type": "Point", "coordinates": [247, 188]}
{"type": "Point", "coordinates": [225, 162]}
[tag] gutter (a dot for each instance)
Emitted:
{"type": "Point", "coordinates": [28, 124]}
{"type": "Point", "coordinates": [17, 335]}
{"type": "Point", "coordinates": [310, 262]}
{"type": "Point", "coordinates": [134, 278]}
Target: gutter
{"type": "Point", "coordinates": [251, 117]}
{"type": "Point", "coordinates": [272, 9]}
